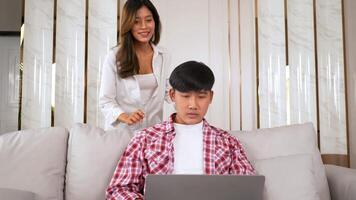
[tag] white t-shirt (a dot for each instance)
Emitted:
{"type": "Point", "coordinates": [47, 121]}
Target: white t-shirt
{"type": "Point", "coordinates": [147, 84]}
{"type": "Point", "coordinates": [188, 149]}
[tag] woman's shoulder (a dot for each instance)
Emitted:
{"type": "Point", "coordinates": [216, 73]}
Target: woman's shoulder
{"type": "Point", "coordinates": [110, 59]}
{"type": "Point", "coordinates": [111, 55]}
{"type": "Point", "coordinates": [113, 51]}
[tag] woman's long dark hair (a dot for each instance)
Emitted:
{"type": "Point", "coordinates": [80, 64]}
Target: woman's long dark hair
{"type": "Point", "coordinates": [126, 55]}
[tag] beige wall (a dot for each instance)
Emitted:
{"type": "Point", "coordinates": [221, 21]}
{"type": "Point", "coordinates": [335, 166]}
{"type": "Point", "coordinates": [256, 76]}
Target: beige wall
{"type": "Point", "coordinates": [10, 15]}
{"type": "Point", "coordinates": [350, 47]}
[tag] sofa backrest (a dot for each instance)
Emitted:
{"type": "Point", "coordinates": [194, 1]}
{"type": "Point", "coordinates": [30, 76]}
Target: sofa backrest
{"type": "Point", "coordinates": [34, 160]}
{"type": "Point", "coordinates": [92, 157]}
{"type": "Point", "coordinates": [276, 150]}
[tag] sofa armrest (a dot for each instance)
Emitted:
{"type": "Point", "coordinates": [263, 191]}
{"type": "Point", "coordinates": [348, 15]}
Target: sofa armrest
{"type": "Point", "coordinates": [342, 182]}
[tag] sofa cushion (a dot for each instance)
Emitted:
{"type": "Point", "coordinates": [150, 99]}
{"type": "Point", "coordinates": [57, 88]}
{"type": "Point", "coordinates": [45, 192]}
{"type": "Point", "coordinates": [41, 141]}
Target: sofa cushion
{"type": "Point", "coordinates": [34, 160]}
{"type": "Point", "coordinates": [288, 177]}
{"type": "Point", "coordinates": [12, 194]}
{"type": "Point", "coordinates": [342, 182]}
{"type": "Point", "coordinates": [92, 158]}
{"type": "Point", "coordinates": [284, 141]}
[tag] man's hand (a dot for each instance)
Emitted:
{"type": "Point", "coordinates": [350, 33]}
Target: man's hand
{"type": "Point", "coordinates": [132, 118]}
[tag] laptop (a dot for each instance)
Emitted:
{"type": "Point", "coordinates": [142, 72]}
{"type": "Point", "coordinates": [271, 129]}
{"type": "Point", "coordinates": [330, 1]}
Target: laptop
{"type": "Point", "coordinates": [204, 187]}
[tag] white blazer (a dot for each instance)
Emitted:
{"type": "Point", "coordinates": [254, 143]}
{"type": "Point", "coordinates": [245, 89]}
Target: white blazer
{"type": "Point", "coordinates": [122, 95]}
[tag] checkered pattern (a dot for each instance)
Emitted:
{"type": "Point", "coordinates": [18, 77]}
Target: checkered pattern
{"type": "Point", "coordinates": [151, 152]}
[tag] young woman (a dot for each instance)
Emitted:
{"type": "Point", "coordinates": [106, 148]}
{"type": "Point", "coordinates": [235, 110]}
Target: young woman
{"type": "Point", "coordinates": [134, 74]}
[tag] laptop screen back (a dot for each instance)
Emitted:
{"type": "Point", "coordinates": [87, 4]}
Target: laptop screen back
{"type": "Point", "coordinates": [203, 187]}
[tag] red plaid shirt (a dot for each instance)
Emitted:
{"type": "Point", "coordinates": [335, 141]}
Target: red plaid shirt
{"type": "Point", "coordinates": [151, 152]}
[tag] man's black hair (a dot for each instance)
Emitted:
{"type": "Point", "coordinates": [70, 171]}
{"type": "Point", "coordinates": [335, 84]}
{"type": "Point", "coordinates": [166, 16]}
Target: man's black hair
{"type": "Point", "coordinates": [192, 76]}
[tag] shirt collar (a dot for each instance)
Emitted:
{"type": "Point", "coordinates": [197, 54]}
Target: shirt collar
{"type": "Point", "coordinates": [170, 124]}
{"type": "Point", "coordinates": [156, 49]}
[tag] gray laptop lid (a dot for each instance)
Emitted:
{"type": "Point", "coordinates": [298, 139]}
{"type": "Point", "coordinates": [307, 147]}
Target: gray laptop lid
{"type": "Point", "coordinates": [204, 187]}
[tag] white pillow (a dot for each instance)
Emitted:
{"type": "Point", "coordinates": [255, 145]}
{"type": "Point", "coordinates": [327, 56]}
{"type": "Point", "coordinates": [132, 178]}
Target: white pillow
{"type": "Point", "coordinates": [92, 158]}
{"type": "Point", "coordinates": [34, 160]}
{"type": "Point", "coordinates": [284, 141]}
{"type": "Point", "coordinates": [288, 178]}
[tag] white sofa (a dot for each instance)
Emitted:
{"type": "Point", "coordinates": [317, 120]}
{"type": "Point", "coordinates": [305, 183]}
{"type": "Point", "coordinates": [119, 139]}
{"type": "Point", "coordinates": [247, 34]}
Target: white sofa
{"type": "Point", "coordinates": [54, 163]}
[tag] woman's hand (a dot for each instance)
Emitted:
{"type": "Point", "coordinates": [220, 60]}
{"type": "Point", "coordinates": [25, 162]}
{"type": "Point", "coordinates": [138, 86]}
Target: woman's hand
{"type": "Point", "coordinates": [132, 118]}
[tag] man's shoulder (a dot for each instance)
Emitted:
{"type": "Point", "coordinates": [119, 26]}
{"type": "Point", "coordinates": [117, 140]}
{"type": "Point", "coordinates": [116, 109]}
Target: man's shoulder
{"type": "Point", "coordinates": [155, 131]}
{"type": "Point", "coordinates": [223, 134]}
{"type": "Point", "coordinates": [217, 131]}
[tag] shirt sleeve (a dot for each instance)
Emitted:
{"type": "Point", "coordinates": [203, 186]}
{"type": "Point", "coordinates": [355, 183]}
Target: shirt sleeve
{"type": "Point", "coordinates": [240, 164]}
{"type": "Point", "coordinates": [107, 98]}
{"type": "Point", "coordinates": [127, 181]}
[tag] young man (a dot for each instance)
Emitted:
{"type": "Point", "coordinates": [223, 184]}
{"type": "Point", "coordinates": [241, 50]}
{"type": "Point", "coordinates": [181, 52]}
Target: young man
{"type": "Point", "coordinates": [186, 144]}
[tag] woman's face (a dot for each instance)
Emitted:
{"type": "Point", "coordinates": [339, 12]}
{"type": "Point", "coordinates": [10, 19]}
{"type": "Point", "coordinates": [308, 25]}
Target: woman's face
{"type": "Point", "coordinates": [144, 26]}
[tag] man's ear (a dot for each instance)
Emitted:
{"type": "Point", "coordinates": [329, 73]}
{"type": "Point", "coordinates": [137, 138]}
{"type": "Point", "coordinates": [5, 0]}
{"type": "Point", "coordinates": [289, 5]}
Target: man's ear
{"type": "Point", "coordinates": [211, 96]}
{"type": "Point", "coordinates": [172, 94]}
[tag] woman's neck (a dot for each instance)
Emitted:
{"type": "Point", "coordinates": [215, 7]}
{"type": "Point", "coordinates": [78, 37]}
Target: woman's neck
{"type": "Point", "coordinates": [143, 48]}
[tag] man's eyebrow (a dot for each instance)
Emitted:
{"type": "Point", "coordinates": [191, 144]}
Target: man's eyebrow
{"type": "Point", "coordinates": [203, 91]}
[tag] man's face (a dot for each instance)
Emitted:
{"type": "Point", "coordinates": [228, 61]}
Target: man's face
{"type": "Point", "coordinates": [191, 106]}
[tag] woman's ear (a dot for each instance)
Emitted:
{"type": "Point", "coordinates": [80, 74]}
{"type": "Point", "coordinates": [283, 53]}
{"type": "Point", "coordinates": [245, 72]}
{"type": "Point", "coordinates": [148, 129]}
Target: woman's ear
{"type": "Point", "coordinates": [172, 94]}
